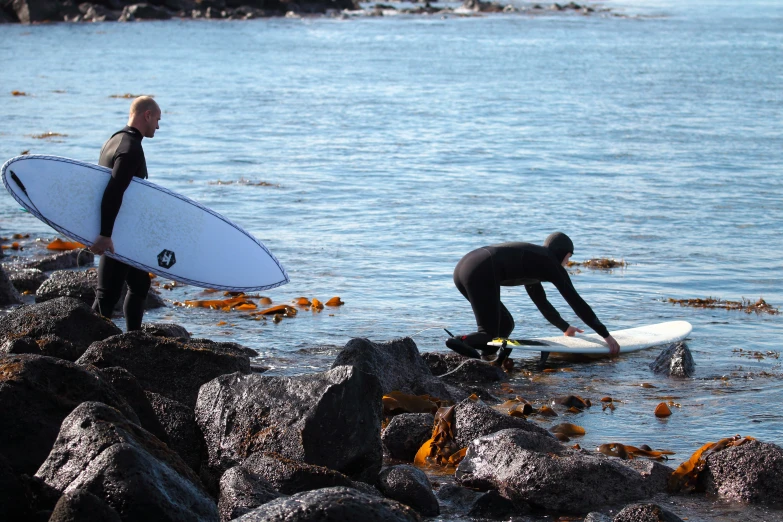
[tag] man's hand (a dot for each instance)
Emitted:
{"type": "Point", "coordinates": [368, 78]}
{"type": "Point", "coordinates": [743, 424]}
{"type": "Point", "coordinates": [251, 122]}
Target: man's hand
{"type": "Point", "coordinates": [572, 330]}
{"type": "Point", "coordinates": [101, 245]}
{"type": "Point", "coordinates": [614, 346]}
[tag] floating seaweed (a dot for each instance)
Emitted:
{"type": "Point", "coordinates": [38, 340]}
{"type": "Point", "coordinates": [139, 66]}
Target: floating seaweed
{"type": "Point", "coordinates": [600, 263]}
{"type": "Point", "coordinates": [334, 301]}
{"type": "Point", "coordinates": [317, 305]}
{"type": "Point", "coordinates": [516, 407]}
{"type": "Point", "coordinates": [245, 182]}
{"type": "Point", "coordinates": [288, 311]}
{"type": "Point", "coordinates": [128, 95]}
{"type": "Point", "coordinates": [238, 303]}
{"type": "Point", "coordinates": [59, 244]}
{"type": "Point", "coordinates": [48, 135]}
{"type": "Point", "coordinates": [13, 246]}
{"type": "Point", "coordinates": [662, 410]}
{"type": "Point", "coordinates": [567, 429]}
{"type": "Point", "coordinates": [744, 305]}
{"type": "Point", "coordinates": [24, 152]}
{"type": "Point", "coordinates": [398, 402]}
{"type": "Point", "coordinates": [18, 93]}
{"type": "Point", "coordinates": [546, 411]}
{"type": "Point", "coordinates": [302, 301]}
{"type": "Point", "coordinates": [626, 452]}
{"type": "Point", "coordinates": [683, 480]}
{"type": "Point", "coordinates": [573, 401]}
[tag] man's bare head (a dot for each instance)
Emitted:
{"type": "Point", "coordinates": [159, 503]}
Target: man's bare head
{"type": "Point", "coordinates": [144, 116]}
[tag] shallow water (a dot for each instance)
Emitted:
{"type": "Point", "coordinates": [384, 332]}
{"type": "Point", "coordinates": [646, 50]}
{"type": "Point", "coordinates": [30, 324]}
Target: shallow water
{"type": "Point", "coordinates": [395, 145]}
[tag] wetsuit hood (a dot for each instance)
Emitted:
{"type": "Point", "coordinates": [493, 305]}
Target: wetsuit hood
{"type": "Point", "coordinates": [560, 245]}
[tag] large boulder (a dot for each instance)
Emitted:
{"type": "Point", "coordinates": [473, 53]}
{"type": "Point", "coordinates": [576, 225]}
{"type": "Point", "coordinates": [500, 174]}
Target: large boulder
{"type": "Point", "coordinates": [532, 470]}
{"type": "Point", "coordinates": [36, 394]}
{"type": "Point", "coordinates": [474, 419]}
{"type": "Point", "coordinates": [83, 285]}
{"type": "Point", "coordinates": [409, 486]}
{"type": "Point", "coordinates": [64, 317]}
{"type": "Point", "coordinates": [475, 371]}
{"type": "Point", "coordinates": [406, 433]}
{"type": "Point", "coordinates": [397, 364]}
{"type": "Point", "coordinates": [674, 361]}
{"type": "Point", "coordinates": [126, 385]}
{"type": "Point", "coordinates": [330, 419]}
{"type": "Point", "coordinates": [751, 473]}
{"type": "Point", "coordinates": [9, 295]}
{"type": "Point", "coordinates": [30, 11]}
{"type": "Point", "coordinates": [291, 476]}
{"type": "Point", "coordinates": [100, 451]}
{"type": "Point", "coordinates": [27, 279]}
{"type": "Point", "coordinates": [166, 330]}
{"type": "Point", "coordinates": [60, 260]}
{"type": "Point", "coordinates": [338, 503]}
{"type": "Point", "coordinates": [143, 12]}
{"type": "Point", "coordinates": [82, 506]}
{"type": "Point", "coordinates": [645, 513]}
{"type": "Point", "coordinates": [241, 491]}
{"type": "Point", "coordinates": [175, 368]}
{"type": "Point", "coordinates": [179, 423]}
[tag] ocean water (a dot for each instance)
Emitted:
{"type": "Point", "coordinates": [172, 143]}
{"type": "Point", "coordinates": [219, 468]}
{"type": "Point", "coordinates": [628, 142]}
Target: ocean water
{"type": "Point", "coordinates": [392, 146]}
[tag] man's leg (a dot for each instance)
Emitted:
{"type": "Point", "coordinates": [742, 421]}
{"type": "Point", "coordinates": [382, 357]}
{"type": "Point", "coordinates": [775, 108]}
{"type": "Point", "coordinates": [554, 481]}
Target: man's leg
{"type": "Point", "coordinates": [138, 287]}
{"type": "Point", "coordinates": [111, 276]}
{"type": "Point", "coordinates": [474, 277]}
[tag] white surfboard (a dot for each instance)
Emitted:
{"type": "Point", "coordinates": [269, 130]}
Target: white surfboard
{"type": "Point", "coordinates": [156, 229]}
{"type": "Point", "coordinates": [630, 340]}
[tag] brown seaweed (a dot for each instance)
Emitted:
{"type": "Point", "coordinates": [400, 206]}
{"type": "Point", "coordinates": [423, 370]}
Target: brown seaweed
{"type": "Point", "coordinates": [235, 303]}
{"type": "Point", "coordinates": [59, 244]}
{"type": "Point", "coordinates": [683, 480]}
{"type": "Point", "coordinates": [334, 301]}
{"type": "Point", "coordinates": [627, 452]}
{"type": "Point", "coordinates": [600, 263]}
{"type": "Point", "coordinates": [744, 305]}
{"type": "Point", "coordinates": [441, 450]}
{"type": "Point", "coordinates": [47, 135]}
{"type": "Point", "coordinates": [245, 182]}
{"type": "Point", "coordinates": [128, 95]}
{"type": "Point", "coordinates": [567, 429]}
{"type": "Point", "coordinates": [662, 410]}
{"type": "Point", "coordinates": [398, 402]}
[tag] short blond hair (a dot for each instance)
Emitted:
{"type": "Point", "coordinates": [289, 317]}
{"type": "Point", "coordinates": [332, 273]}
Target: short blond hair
{"type": "Point", "coordinates": [143, 104]}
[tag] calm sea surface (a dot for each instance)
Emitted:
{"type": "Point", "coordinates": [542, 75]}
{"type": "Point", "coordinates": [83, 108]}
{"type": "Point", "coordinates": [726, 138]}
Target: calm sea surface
{"type": "Point", "coordinates": [395, 145]}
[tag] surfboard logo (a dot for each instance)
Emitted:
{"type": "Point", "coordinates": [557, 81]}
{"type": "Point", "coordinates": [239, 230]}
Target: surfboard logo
{"type": "Point", "coordinates": [166, 259]}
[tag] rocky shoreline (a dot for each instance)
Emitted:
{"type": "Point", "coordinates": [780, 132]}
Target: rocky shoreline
{"type": "Point", "coordinates": [47, 11]}
{"type": "Point", "coordinates": [104, 425]}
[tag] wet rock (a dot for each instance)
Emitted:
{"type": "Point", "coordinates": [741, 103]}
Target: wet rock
{"type": "Point", "coordinates": [241, 491]}
{"type": "Point", "coordinates": [61, 260]}
{"type": "Point", "coordinates": [289, 476]}
{"type": "Point", "coordinates": [30, 11]}
{"type": "Point", "coordinates": [13, 507]}
{"type": "Point", "coordinates": [49, 345]}
{"type": "Point", "coordinates": [330, 419]}
{"type": "Point", "coordinates": [179, 423]}
{"type": "Point", "coordinates": [64, 317]}
{"type": "Point", "coordinates": [675, 361]}
{"type": "Point", "coordinates": [97, 13]}
{"type": "Point", "coordinates": [442, 362]}
{"type": "Point", "coordinates": [126, 385]}
{"type": "Point", "coordinates": [595, 516]}
{"type": "Point", "coordinates": [655, 476]}
{"type": "Point", "coordinates": [100, 451]}
{"type": "Point", "coordinates": [473, 371]}
{"type": "Point", "coordinates": [528, 469]}
{"type": "Point", "coordinates": [165, 330]}
{"type": "Point", "coordinates": [751, 473]}
{"type": "Point", "coordinates": [461, 499]}
{"type": "Point", "coordinates": [493, 506]}
{"type": "Point", "coordinates": [19, 346]}
{"type": "Point", "coordinates": [482, 7]}
{"type": "Point", "coordinates": [41, 496]}
{"type": "Point", "coordinates": [27, 279]}
{"type": "Point", "coordinates": [338, 503]}
{"type": "Point", "coordinates": [409, 486]}
{"type": "Point", "coordinates": [69, 283]}
{"type": "Point", "coordinates": [175, 368]}
{"type": "Point", "coordinates": [82, 506]}
{"type": "Point", "coordinates": [645, 513]}
{"type": "Point", "coordinates": [36, 394]}
{"type": "Point", "coordinates": [135, 12]}
{"type": "Point", "coordinates": [405, 434]}
{"type": "Point", "coordinates": [396, 364]}
{"type": "Point", "coordinates": [9, 295]}
{"type": "Point", "coordinates": [473, 419]}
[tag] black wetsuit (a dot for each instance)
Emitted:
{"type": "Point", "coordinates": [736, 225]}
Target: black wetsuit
{"type": "Point", "coordinates": [480, 274]}
{"type": "Point", "coordinates": [124, 155]}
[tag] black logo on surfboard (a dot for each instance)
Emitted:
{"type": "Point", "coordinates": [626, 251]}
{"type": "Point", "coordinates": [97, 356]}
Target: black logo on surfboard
{"type": "Point", "coordinates": [166, 259]}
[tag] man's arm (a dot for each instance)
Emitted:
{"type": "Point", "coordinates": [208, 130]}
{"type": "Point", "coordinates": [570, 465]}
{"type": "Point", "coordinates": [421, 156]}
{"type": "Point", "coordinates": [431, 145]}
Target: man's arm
{"type": "Point", "coordinates": [125, 166]}
{"type": "Point", "coordinates": [538, 296]}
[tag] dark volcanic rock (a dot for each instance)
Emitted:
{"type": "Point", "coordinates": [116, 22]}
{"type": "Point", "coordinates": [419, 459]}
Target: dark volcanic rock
{"type": "Point", "coordinates": [143, 12]}
{"type": "Point", "coordinates": [751, 473]}
{"type": "Point", "coordinates": [405, 434]}
{"type": "Point", "coordinates": [13, 507]}
{"type": "Point", "coordinates": [338, 503]}
{"type": "Point", "coordinates": [127, 386]}
{"type": "Point", "coordinates": [410, 486]}
{"type": "Point", "coordinates": [36, 394]}
{"type": "Point", "coordinates": [473, 419]}
{"type": "Point", "coordinates": [493, 506]}
{"type": "Point", "coordinates": [397, 365]}
{"type": "Point", "coordinates": [19, 346]}
{"type": "Point", "coordinates": [83, 506]}
{"type": "Point", "coordinates": [529, 470]}
{"type": "Point", "coordinates": [165, 330]}
{"type": "Point", "coordinates": [290, 476]}
{"type": "Point", "coordinates": [29, 11]}
{"type": "Point", "coordinates": [61, 260]}
{"type": "Point", "coordinates": [69, 283]}
{"type": "Point", "coordinates": [27, 279]}
{"type": "Point", "coordinates": [99, 451]}
{"type": "Point", "coordinates": [64, 317]}
{"type": "Point", "coordinates": [645, 513]}
{"type": "Point", "coordinates": [98, 13]}
{"type": "Point", "coordinates": [9, 295]}
{"type": "Point", "coordinates": [49, 345]}
{"type": "Point", "coordinates": [442, 362]}
{"type": "Point", "coordinates": [675, 361]}
{"type": "Point", "coordinates": [330, 419]}
{"type": "Point", "coordinates": [473, 371]}
{"type": "Point", "coordinates": [241, 491]}
{"type": "Point", "coordinates": [183, 433]}
{"type": "Point", "coordinates": [175, 368]}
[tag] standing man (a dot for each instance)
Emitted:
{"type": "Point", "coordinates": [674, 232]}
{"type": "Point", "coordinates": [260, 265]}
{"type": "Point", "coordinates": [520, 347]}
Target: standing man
{"type": "Point", "coordinates": [480, 274]}
{"type": "Point", "coordinates": [123, 154]}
